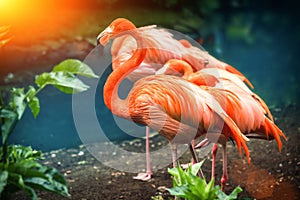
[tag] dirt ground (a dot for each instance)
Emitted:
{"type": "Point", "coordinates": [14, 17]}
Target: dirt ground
{"type": "Point", "coordinates": [270, 175]}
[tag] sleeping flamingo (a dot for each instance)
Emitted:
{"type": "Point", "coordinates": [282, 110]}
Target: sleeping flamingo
{"type": "Point", "coordinates": [174, 107]}
{"type": "Point", "coordinates": [166, 47]}
{"type": "Point", "coordinates": [248, 110]}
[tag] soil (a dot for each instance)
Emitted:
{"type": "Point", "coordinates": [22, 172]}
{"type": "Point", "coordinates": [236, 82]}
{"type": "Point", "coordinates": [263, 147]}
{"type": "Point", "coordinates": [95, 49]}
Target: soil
{"type": "Point", "coordinates": [270, 175]}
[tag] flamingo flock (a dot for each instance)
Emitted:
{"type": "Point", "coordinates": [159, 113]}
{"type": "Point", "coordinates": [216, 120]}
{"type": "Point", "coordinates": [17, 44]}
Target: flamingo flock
{"type": "Point", "coordinates": [183, 93]}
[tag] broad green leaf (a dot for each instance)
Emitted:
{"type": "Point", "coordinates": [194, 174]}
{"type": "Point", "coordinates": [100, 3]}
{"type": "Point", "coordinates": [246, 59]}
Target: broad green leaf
{"type": "Point", "coordinates": [34, 105]}
{"type": "Point", "coordinates": [3, 180]}
{"type": "Point", "coordinates": [182, 176]}
{"type": "Point", "coordinates": [17, 101]}
{"type": "Point", "coordinates": [9, 117]}
{"type": "Point", "coordinates": [173, 171]}
{"type": "Point", "coordinates": [64, 81]}
{"type": "Point", "coordinates": [198, 188]}
{"type": "Point", "coordinates": [33, 101]}
{"type": "Point", "coordinates": [75, 67]}
{"type": "Point", "coordinates": [5, 113]}
{"type": "Point", "coordinates": [17, 180]}
{"type": "Point", "coordinates": [49, 185]}
{"type": "Point", "coordinates": [52, 172]}
{"type": "Point", "coordinates": [30, 93]}
{"type": "Point", "coordinates": [179, 191]}
{"type": "Point", "coordinates": [233, 195]}
{"type": "Point", "coordinates": [209, 186]}
{"type": "Point", "coordinates": [196, 167]}
{"type": "Point", "coordinates": [235, 192]}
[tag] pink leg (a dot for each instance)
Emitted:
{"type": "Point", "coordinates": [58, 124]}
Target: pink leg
{"type": "Point", "coordinates": [213, 164]}
{"type": "Point", "coordinates": [185, 166]}
{"type": "Point", "coordinates": [225, 173]}
{"type": "Point", "coordinates": [193, 147]}
{"type": "Point", "coordinates": [174, 154]}
{"type": "Point", "coordinates": [146, 176]}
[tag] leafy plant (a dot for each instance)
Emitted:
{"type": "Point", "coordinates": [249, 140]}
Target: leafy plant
{"type": "Point", "coordinates": [19, 165]}
{"type": "Point", "coordinates": [188, 185]}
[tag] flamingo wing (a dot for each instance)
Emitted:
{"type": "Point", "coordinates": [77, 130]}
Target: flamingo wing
{"type": "Point", "coordinates": [171, 104]}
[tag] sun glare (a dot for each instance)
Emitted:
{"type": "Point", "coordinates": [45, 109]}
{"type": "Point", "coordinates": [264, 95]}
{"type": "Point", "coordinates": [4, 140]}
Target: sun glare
{"type": "Point", "coordinates": [33, 19]}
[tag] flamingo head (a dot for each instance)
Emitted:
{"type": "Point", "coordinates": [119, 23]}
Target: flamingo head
{"type": "Point", "coordinates": [118, 26]}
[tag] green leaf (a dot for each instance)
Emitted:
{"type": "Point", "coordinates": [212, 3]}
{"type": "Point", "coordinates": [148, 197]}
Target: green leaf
{"type": "Point", "coordinates": [196, 167]}
{"type": "Point", "coordinates": [64, 81]}
{"type": "Point", "coordinates": [25, 173]}
{"type": "Point", "coordinates": [47, 184]}
{"type": "Point", "coordinates": [17, 102]}
{"type": "Point", "coordinates": [33, 101]}
{"type": "Point", "coordinates": [34, 105]}
{"type": "Point", "coordinates": [10, 119]}
{"type": "Point", "coordinates": [179, 191]}
{"type": "Point", "coordinates": [235, 192]}
{"type": "Point", "coordinates": [173, 172]}
{"type": "Point", "coordinates": [209, 186]}
{"type": "Point", "coordinates": [75, 67]}
{"type": "Point", "coordinates": [3, 180]}
{"type": "Point", "coordinates": [233, 195]}
{"type": "Point", "coordinates": [17, 180]}
{"type": "Point", "coordinates": [30, 93]}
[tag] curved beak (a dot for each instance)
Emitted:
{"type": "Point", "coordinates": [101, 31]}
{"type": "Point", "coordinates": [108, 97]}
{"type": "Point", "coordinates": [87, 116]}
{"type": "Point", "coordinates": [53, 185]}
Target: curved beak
{"type": "Point", "coordinates": [104, 36]}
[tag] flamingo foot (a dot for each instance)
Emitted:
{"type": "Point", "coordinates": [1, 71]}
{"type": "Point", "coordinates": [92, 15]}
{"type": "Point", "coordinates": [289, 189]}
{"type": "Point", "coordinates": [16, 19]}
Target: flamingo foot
{"type": "Point", "coordinates": [143, 176]}
{"type": "Point", "coordinates": [223, 182]}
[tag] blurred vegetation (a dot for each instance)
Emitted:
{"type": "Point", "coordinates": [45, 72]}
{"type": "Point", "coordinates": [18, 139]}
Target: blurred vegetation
{"type": "Point", "coordinates": [19, 166]}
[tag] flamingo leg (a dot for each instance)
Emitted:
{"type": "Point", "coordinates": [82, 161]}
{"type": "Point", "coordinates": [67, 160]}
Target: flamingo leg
{"type": "Point", "coordinates": [191, 147]}
{"type": "Point", "coordinates": [213, 164]}
{"type": "Point", "coordinates": [174, 154]}
{"type": "Point", "coordinates": [146, 176]}
{"type": "Point", "coordinates": [225, 172]}
{"type": "Point", "coordinates": [185, 166]}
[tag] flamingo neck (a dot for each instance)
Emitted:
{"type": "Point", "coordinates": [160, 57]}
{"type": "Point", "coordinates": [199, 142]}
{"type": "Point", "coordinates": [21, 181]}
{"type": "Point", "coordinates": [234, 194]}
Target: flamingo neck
{"type": "Point", "coordinates": [183, 67]}
{"type": "Point", "coordinates": [110, 92]}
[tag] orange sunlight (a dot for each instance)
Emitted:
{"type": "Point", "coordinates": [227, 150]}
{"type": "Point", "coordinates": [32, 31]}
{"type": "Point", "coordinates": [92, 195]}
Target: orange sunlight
{"type": "Point", "coordinates": [34, 20]}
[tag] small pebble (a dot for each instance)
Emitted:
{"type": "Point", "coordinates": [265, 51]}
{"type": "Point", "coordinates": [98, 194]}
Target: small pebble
{"type": "Point", "coordinates": [162, 188]}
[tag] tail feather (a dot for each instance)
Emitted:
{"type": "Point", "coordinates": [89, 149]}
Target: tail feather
{"type": "Point", "coordinates": [270, 129]}
{"type": "Point", "coordinates": [264, 105]}
{"type": "Point", "coordinates": [237, 136]}
{"type": "Point", "coordinates": [237, 72]}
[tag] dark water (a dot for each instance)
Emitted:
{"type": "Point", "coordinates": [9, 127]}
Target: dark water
{"type": "Point", "coordinates": [267, 54]}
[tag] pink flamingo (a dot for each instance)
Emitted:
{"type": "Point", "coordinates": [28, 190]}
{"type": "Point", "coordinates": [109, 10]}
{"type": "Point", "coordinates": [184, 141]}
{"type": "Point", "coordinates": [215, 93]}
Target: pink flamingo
{"type": "Point", "coordinates": [178, 109]}
{"type": "Point", "coordinates": [165, 47]}
{"type": "Point", "coordinates": [248, 110]}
